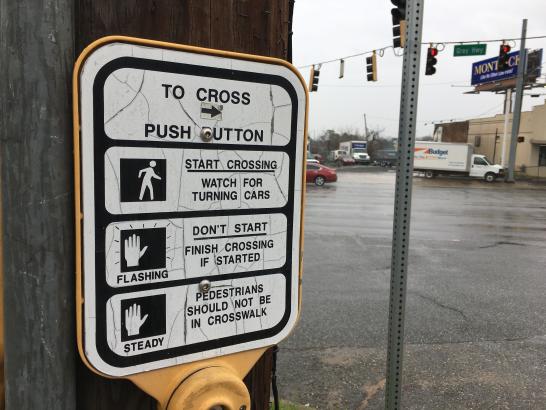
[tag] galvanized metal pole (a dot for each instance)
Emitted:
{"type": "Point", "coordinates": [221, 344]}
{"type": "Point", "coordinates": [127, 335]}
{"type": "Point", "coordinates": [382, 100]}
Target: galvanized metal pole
{"type": "Point", "coordinates": [507, 109]}
{"type": "Point", "coordinates": [402, 203]}
{"type": "Point", "coordinates": [495, 146]}
{"type": "Point", "coordinates": [36, 58]}
{"type": "Point", "coordinates": [522, 68]}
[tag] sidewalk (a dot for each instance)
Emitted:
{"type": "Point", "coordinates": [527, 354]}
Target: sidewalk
{"type": "Point", "coordinates": [463, 182]}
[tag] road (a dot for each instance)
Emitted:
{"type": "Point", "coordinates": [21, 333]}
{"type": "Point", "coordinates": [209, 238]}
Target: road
{"type": "Point", "coordinates": [476, 304]}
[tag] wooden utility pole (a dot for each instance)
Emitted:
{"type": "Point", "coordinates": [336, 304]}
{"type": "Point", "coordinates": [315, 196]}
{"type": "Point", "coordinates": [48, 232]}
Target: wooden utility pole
{"type": "Point", "coordinates": [246, 26]}
{"type": "Point", "coordinates": [249, 26]}
{"type": "Point", "coordinates": [39, 42]}
{"type": "Point", "coordinates": [36, 58]}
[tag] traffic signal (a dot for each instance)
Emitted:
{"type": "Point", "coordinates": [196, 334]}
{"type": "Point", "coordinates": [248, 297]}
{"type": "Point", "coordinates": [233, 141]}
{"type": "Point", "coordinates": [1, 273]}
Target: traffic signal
{"type": "Point", "coordinates": [502, 62]}
{"type": "Point", "coordinates": [431, 60]}
{"type": "Point", "coordinates": [314, 79]}
{"type": "Point", "coordinates": [399, 23]}
{"type": "Point", "coordinates": [371, 67]}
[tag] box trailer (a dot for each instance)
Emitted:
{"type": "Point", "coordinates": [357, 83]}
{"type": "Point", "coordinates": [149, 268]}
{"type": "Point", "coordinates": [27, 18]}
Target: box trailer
{"type": "Point", "coordinates": [358, 150]}
{"type": "Point", "coordinates": [441, 158]}
{"type": "Point", "coordinates": [336, 154]}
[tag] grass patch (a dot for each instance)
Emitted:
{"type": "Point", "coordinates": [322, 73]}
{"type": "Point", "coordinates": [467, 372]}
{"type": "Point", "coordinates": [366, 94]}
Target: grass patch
{"type": "Point", "coordinates": [286, 405]}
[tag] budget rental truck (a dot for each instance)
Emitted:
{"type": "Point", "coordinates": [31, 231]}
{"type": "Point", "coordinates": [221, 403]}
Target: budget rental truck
{"type": "Point", "coordinates": [441, 158]}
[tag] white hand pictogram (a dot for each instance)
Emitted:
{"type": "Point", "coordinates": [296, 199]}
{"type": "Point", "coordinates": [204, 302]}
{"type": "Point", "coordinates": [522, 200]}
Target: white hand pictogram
{"type": "Point", "coordinates": [133, 253]}
{"type": "Point", "coordinates": [133, 321]}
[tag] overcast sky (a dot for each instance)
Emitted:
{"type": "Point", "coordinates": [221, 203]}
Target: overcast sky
{"type": "Point", "coordinates": [327, 29]}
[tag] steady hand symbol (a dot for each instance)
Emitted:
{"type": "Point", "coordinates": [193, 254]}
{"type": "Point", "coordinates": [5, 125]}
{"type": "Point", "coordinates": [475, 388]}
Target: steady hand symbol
{"type": "Point", "coordinates": [133, 321]}
{"type": "Point", "coordinates": [133, 253]}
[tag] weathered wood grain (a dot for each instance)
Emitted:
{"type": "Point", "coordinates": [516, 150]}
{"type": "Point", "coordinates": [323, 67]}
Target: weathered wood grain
{"type": "Point", "coordinates": [248, 26]}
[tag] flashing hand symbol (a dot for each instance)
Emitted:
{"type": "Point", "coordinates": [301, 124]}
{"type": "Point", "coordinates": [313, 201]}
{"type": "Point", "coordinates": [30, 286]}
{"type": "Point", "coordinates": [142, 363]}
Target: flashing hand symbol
{"type": "Point", "coordinates": [133, 253]}
{"type": "Point", "coordinates": [133, 321]}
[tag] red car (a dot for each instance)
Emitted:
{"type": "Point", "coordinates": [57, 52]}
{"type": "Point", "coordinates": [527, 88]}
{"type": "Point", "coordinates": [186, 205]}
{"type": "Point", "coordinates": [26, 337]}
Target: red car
{"type": "Point", "coordinates": [319, 174]}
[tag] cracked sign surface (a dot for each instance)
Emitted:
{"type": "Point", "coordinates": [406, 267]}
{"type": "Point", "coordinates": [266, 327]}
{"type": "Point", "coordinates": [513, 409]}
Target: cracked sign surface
{"type": "Point", "coordinates": [166, 210]}
{"type": "Point", "coordinates": [196, 180]}
{"type": "Point", "coordinates": [229, 308]}
{"type": "Point", "coordinates": [180, 106]}
{"type": "Point", "coordinates": [193, 247]}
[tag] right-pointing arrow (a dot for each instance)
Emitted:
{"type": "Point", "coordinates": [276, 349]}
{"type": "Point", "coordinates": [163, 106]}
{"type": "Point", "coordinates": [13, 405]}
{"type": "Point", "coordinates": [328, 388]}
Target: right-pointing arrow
{"type": "Point", "coordinates": [213, 111]}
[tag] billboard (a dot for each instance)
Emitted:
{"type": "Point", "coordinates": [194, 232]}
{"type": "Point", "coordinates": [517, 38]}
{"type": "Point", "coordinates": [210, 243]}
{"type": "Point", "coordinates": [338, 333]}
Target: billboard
{"type": "Point", "coordinates": [485, 71]}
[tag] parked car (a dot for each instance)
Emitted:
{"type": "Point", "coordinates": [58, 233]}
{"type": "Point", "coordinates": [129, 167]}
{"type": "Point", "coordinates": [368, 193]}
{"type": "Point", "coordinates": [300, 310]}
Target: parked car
{"type": "Point", "coordinates": [384, 157]}
{"type": "Point", "coordinates": [312, 161]}
{"type": "Point", "coordinates": [345, 160]}
{"type": "Point", "coordinates": [319, 174]}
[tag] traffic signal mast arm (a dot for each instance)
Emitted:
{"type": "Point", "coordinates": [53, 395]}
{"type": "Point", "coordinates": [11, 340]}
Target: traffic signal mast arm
{"type": "Point", "coordinates": [444, 43]}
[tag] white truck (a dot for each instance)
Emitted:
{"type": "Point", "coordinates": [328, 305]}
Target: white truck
{"type": "Point", "coordinates": [358, 150]}
{"type": "Point", "coordinates": [437, 158]}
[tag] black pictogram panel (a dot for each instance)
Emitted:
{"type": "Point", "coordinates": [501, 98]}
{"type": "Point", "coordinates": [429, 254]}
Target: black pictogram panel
{"type": "Point", "coordinates": [143, 249]}
{"type": "Point", "coordinates": [143, 317]}
{"type": "Point", "coordinates": [143, 180]}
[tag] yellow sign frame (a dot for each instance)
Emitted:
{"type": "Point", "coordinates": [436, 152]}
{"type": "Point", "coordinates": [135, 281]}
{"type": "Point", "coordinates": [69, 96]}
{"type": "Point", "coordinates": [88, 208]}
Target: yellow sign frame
{"type": "Point", "coordinates": [162, 383]}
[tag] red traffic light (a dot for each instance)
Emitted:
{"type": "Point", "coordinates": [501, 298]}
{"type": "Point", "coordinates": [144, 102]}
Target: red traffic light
{"type": "Point", "coordinates": [432, 52]}
{"type": "Point", "coordinates": [503, 59]}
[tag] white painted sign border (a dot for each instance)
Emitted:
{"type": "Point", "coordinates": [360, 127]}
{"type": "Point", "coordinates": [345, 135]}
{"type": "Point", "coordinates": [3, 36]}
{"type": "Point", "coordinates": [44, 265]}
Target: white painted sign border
{"type": "Point", "coordinates": [92, 62]}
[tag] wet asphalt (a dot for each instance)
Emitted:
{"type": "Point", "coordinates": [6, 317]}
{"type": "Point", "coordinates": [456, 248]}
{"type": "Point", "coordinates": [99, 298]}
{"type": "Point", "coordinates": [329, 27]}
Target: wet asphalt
{"type": "Point", "coordinates": [476, 304]}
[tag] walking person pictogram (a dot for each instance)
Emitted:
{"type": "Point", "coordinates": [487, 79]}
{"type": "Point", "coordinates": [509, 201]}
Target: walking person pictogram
{"type": "Point", "coordinates": [143, 179]}
{"type": "Point", "coordinates": [149, 175]}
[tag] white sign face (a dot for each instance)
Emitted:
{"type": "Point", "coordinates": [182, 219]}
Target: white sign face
{"type": "Point", "coordinates": [180, 104]}
{"type": "Point", "coordinates": [150, 321]}
{"type": "Point", "coordinates": [193, 180]}
{"type": "Point", "coordinates": [185, 248]}
{"type": "Point", "coordinates": [191, 239]}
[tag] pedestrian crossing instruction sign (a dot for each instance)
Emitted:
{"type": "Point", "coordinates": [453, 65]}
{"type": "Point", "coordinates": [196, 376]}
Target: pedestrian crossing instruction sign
{"type": "Point", "coordinates": [189, 171]}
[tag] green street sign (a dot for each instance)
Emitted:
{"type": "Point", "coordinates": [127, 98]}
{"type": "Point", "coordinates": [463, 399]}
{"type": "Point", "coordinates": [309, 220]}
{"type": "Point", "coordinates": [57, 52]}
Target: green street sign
{"type": "Point", "coordinates": [463, 50]}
